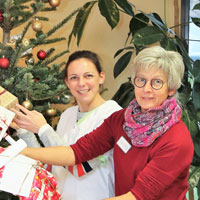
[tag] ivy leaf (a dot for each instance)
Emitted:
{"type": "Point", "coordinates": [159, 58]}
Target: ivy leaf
{"type": "Point", "coordinates": [196, 21]}
{"type": "Point", "coordinates": [184, 54]}
{"type": "Point", "coordinates": [110, 11]}
{"type": "Point", "coordinates": [147, 35]}
{"type": "Point", "coordinates": [120, 50]}
{"type": "Point", "coordinates": [138, 22]}
{"type": "Point", "coordinates": [156, 21]}
{"type": "Point", "coordinates": [122, 63]}
{"type": "Point", "coordinates": [169, 44]}
{"type": "Point", "coordinates": [196, 6]}
{"type": "Point", "coordinates": [80, 21]}
{"type": "Point", "coordinates": [196, 95]}
{"type": "Point", "coordinates": [125, 5]}
{"type": "Point", "coordinates": [196, 70]}
{"type": "Point", "coordinates": [194, 176]}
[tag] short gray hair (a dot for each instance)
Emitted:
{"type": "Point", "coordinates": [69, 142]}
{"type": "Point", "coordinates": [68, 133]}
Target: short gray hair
{"type": "Point", "coordinates": [170, 62]}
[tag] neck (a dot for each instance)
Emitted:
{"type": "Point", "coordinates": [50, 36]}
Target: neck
{"type": "Point", "coordinates": [92, 105]}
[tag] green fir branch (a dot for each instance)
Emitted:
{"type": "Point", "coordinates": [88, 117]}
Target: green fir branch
{"type": "Point", "coordinates": [39, 40]}
{"type": "Point", "coordinates": [52, 40]}
{"type": "Point", "coordinates": [18, 2]}
{"type": "Point", "coordinates": [64, 21]}
{"type": "Point", "coordinates": [48, 61]}
{"type": "Point", "coordinates": [42, 18]}
{"type": "Point", "coordinates": [47, 9]}
{"type": "Point", "coordinates": [48, 96]}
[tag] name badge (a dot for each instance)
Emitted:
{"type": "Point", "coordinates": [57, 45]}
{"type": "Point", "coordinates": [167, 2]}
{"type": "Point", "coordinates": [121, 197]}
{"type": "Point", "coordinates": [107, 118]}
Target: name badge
{"type": "Point", "coordinates": [123, 144]}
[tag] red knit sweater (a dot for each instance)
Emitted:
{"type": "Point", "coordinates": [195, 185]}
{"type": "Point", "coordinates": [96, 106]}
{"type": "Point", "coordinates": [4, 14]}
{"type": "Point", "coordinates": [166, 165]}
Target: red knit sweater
{"type": "Point", "coordinates": [159, 171]}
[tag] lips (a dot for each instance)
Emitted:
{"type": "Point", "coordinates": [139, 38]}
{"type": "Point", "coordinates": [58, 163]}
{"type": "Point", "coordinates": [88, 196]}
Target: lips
{"type": "Point", "coordinates": [147, 98]}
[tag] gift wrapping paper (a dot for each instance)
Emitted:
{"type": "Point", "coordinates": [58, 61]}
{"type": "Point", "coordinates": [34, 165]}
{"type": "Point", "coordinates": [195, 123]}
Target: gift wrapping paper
{"type": "Point", "coordinates": [44, 186]}
{"type": "Point", "coordinates": [7, 100]}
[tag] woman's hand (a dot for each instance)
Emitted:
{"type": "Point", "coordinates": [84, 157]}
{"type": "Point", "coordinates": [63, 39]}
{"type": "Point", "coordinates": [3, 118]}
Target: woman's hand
{"type": "Point", "coordinates": [29, 120]}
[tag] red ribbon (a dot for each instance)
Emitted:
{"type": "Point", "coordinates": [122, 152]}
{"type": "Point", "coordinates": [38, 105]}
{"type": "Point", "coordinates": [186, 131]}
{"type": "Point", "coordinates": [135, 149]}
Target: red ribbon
{"type": "Point", "coordinates": [2, 92]}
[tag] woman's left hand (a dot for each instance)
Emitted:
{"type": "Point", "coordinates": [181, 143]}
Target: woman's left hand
{"type": "Point", "coordinates": [29, 120]}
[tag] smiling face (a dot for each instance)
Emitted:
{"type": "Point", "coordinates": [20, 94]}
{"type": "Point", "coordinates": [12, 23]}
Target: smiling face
{"type": "Point", "coordinates": [83, 80]}
{"type": "Point", "coordinates": [146, 96]}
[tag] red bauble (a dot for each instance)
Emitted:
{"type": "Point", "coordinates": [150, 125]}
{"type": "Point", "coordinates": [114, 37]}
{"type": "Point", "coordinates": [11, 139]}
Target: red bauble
{"type": "Point", "coordinates": [41, 54]}
{"type": "Point", "coordinates": [1, 17]}
{"type": "Point", "coordinates": [4, 63]}
{"type": "Point", "coordinates": [35, 80]}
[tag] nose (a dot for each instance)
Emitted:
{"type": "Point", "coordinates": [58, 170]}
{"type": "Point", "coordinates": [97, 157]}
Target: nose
{"type": "Point", "coordinates": [147, 87]}
{"type": "Point", "coordinates": [81, 81]}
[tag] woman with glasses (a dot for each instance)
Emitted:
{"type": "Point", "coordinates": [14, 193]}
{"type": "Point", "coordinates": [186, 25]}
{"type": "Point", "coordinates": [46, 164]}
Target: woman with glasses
{"type": "Point", "coordinates": [153, 148]}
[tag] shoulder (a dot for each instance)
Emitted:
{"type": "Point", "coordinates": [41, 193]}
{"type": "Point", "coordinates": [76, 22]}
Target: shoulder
{"type": "Point", "coordinates": [180, 132]}
{"type": "Point", "coordinates": [111, 105]}
{"type": "Point", "coordinates": [177, 140]}
{"type": "Point", "coordinates": [70, 110]}
{"type": "Point", "coordinates": [117, 117]}
{"type": "Point", "coordinates": [69, 113]}
{"type": "Point", "coordinates": [106, 109]}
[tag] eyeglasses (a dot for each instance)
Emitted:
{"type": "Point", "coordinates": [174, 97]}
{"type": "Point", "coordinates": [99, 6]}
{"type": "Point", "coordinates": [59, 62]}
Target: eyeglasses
{"type": "Point", "coordinates": [141, 82]}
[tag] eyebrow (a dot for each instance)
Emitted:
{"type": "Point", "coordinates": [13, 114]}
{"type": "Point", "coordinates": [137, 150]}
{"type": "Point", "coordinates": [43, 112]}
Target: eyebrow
{"type": "Point", "coordinates": [155, 77]}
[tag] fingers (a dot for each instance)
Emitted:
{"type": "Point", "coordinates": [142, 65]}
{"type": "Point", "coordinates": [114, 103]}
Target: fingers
{"type": "Point", "coordinates": [22, 108]}
{"type": "Point", "coordinates": [18, 113]}
{"type": "Point", "coordinates": [14, 125]}
{"type": "Point", "coordinates": [31, 120]}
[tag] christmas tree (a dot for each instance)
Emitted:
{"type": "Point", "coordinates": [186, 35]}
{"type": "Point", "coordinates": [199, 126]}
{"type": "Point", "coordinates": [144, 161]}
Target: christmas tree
{"type": "Point", "coordinates": [36, 80]}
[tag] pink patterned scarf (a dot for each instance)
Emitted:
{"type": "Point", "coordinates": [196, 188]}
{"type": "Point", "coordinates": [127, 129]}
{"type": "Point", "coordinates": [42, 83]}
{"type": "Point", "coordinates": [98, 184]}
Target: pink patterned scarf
{"type": "Point", "coordinates": [144, 128]}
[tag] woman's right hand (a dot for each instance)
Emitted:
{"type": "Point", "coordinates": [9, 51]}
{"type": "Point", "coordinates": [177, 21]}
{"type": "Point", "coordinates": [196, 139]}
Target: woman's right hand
{"type": "Point", "coordinates": [29, 120]}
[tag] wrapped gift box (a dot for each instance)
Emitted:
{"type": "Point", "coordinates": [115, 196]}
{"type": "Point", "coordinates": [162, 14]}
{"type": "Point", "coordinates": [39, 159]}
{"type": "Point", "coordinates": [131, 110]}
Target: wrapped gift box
{"type": "Point", "coordinates": [7, 100]}
{"type": "Point", "coordinates": [25, 177]}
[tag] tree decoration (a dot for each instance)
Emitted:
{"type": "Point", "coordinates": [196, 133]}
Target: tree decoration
{"type": "Point", "coordinates": [41, 54]}
{"type": "Point", "coordinates": [4, 63]}
{"type": "Point", "coordinates": [35, 80]}
{"type": "Point", "coordinates": [36, 25]}
{"type": "Point", "coordinates": [67, 98]}
{"type": "Point", "coordinates": [51, 112]}
{"type": "Point", "coordinates": [29, 60]}
{"type": "Point", "coordinates": [27, 104]}
{"type": "Point", "coordinates": [11, 43]}
{"type": "Point", "coordinates": [25, 42]}
{"type": "Point", "coordinates": [54, 3]}
{"type": "Point", "coordinates": [1, 17]}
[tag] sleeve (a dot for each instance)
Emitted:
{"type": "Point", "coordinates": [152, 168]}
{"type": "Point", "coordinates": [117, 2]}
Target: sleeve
{"type": "Point", "coordinates": [107, 109]}
{"type": "Point", "coordinates": [28, 137]}
{"type": "Point", "coordinates": [167, 162]}
{"type": "Point", "coordinates": [95, 143]}
{"type": "Point", "coordinates": [49, 137]}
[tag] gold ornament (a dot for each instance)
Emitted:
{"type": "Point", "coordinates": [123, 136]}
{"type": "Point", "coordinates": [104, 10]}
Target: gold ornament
{"type": "Point", "coordinates": [27, 104]}
{"type": "Point", "coordinates": [36, 25]}
{"type": "Point", "coordinates": [54, 3]}
{"type": "Point", "coordinates": [51, 112]}
{"type": "Point", "coordinates": [25, 42]}
{"type": "Point", "coordinates": [11, 43]}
